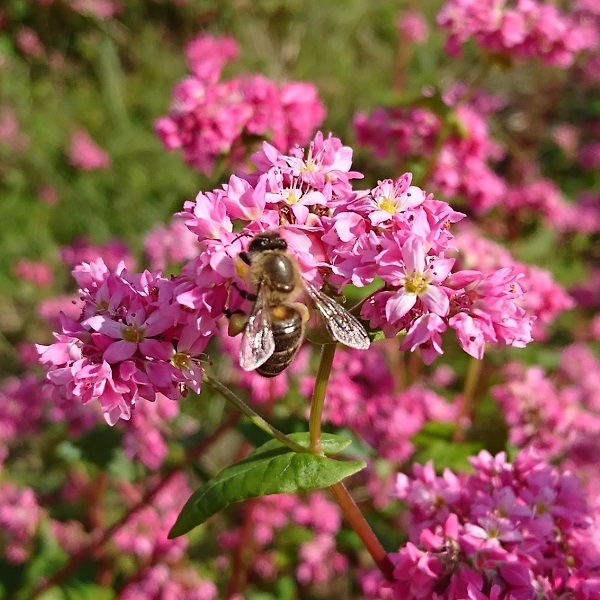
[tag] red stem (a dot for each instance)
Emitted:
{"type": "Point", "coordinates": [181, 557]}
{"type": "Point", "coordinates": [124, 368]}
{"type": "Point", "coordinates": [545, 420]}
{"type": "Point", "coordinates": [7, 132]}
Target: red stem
{"type": "Point", "coordinates": [358, 522]}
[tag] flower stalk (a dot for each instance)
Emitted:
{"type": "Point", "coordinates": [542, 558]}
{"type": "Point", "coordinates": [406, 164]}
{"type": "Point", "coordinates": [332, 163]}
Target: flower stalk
{"type": "Point", "coordinates": [341, 495]}
{"type": "Point", "coordinates": [467, 398]}
{"type": "Point", "coordinates": [252, 415]}
{"type": "Point", "coordinates": [318, 399]}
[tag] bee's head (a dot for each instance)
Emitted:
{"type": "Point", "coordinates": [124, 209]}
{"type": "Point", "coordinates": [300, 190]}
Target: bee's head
{"type": "Point", "coordinates": [267, 240]}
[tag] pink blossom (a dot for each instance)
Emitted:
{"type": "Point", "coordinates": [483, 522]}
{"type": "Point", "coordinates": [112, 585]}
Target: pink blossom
{"type": "Point", "coordinates": [207, 55]}
{"type": "Point", "coordinates": [112, 253]}
{"type": "Point", "coordinates": [48, 195]}
{"type": "Point", "coordinates": [412, 27]}
{"type": "Point", "coordinates": [101, 9]}
{"type": "Point", "coordinates": [531, 29]}
{"type": "Point", "coordinates": [19, 519]}
{"type": "Point", "coordinates": [485, 536]}
{"type": "Point", "coordinates": [170, 244]}
{"type": "Point", "coordinates": [462, 165]}
{"type": "Point", "coordinates": [545, 298]}
{"type": "Point", "coordinates": [85, 154]}
{"type": "Point", "coordinates": [163, 583]}
{"type": "Point", "coordinates": [416, 280]}
{"type": "Point", "coordinates": [38, 273]}
{"type": "Point", "coordinates": [145, 533]}
{"type": "Point", "coordinates": [29, 42]}
{"type": "Point", "coordinates": [118, 351]}
{"type": "Point", "coordinates": [213, 119]}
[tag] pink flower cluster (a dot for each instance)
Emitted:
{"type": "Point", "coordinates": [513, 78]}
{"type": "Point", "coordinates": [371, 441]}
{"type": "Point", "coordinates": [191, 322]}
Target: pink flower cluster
{"type": "Point", "coordinates": [112, 253]}
{"type": "Point", "coordinates": [462, 164]}
{"type": "Point", "coordinates": [144, 536]}
{"type": "Point", "coordinates": [389, 419]}
{"type": "Point", "coordinates": [163, 583]}
{"type": "Point", "coordinates": [16, 423]}
{"type": "Point", "coordinates": [85, 154]}
{"type": "Point", "coordinates": [461, 168]}
{"type": "Point", "coordinates": [141, 334]}
{"type": "Point", "coordinates": [545, 299]}
{"type": "Point", "coordinates": [521, 29]}
{"type": "Point", "coordinates": [558, 413]}
{"type": "Point", "coordinates": [412, 27]}
{"type": "Point", "coordinates": [10, 130]}
{"type": "Point", "coordinates": [146, 435]}
{"type": "Point", "coordinates": [318, 561]}
{"type": "Point", "coordinates": [39, 273]}
{"type": "Point", "coordinates": [138, 336]}
{"type": "Point", "coordinates": [168, 245]}
{"type": "Point", "coordinates": [393, 231]}
{"type": "Point", "coordinates": [19, 518]}
{"type": "Point", "coordinates": [540, 197]}
{"type": "Point", "coordinates": [213, 119]}
{"type": "Point", "coordinates": [505, 532]}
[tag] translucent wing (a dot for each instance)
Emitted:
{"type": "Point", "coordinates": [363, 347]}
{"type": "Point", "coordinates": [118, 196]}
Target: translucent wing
{"type": "Point", "coordinates": [257, 341]}
{"type": "Point", "coordinates": [342, 326]}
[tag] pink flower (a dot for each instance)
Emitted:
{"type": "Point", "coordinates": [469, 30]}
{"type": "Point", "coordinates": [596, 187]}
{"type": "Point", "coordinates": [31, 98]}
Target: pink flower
{"type": "Point", "coordinates": [29, 42]}
{"type": "Point", "coordinates": [171, 244]}
{"type": "Point", "coordinates": [416, 278]}
{"type": "Point", "coordinates": [412, 27]}
{"type": "Point", "coordinates": [500, 532]}
{"type": "Point", "coordinates": [119, 351]}
{"type": "Point", "coordinates": [101, 9]}
{"type": "Point", "coordinates": [85, 154]}
{"type": "Point", "coordinates": [530, 29]}
{"type": "Point", "coordinates": [38, 273]}
{"type": "Point", "coordinates": [207, 55]}
{"type": "Point", "coordinates": [19, 519]}
{"type": "Point", "coordinates": [213, 119]}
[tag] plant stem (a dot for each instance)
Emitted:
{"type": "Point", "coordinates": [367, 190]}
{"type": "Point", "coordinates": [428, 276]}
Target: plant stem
{"type": "Point", "coordinates": [217, 386]}
{"type": "Point", "coordinates": [358, 522]}
{"type": "Point", "coordinates": [466, 400]}
{"type": "Point", "coordinates": [318, 399]}
{"type": "Point", "coordinates": [341, 495]}
{"type": "Point", "coordinates": [99, 538]}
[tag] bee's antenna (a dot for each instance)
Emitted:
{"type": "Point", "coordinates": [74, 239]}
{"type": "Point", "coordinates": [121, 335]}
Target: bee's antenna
{"type": "Point", "coordinates": [240, 237]}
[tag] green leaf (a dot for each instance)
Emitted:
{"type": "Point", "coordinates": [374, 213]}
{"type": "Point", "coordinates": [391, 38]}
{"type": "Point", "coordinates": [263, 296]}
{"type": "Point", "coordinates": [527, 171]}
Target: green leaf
{"type": "Point", "coordinates": [257, 437]}
{"type": "Point", "coordinates": [271, 469]}
{"type": "Point", "coordinates": [451, 455]}
{"type": "Point", "coordinates": [88, 591]}
{"type": "Point", "coordinates": [98, 445]}
{"type": "Point", "coordinates": [433, 431]}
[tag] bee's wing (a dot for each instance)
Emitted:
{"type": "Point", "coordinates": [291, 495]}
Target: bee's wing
{"type": "Point", "coordinates": [342, 326]}
{"type": "Point", "coordinates": [257, 341]}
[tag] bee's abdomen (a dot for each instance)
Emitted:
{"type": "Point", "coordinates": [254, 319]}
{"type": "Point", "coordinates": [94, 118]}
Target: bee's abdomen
{"type": "Point", "coordinates": [288, 330]}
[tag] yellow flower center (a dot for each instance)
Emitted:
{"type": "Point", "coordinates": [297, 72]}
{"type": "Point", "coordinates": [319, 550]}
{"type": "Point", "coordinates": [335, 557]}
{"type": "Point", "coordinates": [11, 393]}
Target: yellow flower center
{"type": "Point", "coordinates": [133, 333]}
{"type": "Point", "coordinates": [415, 283]}
{"type": "Point", "coordinates": [291, 197]}
{"type": "Point", "coordinates": [388, 204]}
{"type": "Point", "coordinates": [309, 165]}
{"type": "Point", "coordinates": [181, 360]}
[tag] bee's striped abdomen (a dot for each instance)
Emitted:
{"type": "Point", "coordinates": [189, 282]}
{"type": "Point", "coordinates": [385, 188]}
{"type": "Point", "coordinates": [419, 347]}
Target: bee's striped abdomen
{"type": "Point", "coordinates": [288, 331]}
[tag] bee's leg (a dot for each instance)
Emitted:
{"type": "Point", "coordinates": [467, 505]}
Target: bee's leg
{"type": "Point", "coordinates": [237, 322]}
{"type": "Point", "coordinates": [243, 293]}
{"type": "Point", "coordinates": [301, 308]}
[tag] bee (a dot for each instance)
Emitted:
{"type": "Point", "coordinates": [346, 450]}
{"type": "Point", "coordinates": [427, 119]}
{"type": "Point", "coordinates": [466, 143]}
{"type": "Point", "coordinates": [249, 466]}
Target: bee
{"type": "Point", "coordinates": [275, 327]}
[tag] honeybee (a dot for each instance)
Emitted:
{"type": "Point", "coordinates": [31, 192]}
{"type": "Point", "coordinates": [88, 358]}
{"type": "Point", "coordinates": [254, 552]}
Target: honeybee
{"type": "Point", "coordinates": [274, 330]}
